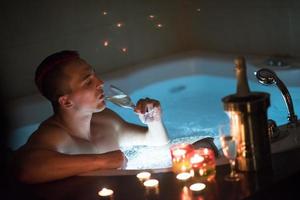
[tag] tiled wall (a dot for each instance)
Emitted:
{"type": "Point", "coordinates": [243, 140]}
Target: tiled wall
{"type": "Point", "coordinates": [31, 30]}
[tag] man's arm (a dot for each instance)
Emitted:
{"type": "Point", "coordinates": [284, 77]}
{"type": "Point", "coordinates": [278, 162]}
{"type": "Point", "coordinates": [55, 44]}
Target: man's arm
{"type": "Point", "coordinates": [40, 160]}
{"type": "Point", "coordinates": [131, 134]}
{"type": "Point", "coordinates": [41, 165]}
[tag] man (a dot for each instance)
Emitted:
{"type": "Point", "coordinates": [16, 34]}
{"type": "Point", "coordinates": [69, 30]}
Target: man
{"type": "Point", "coordinates": [82, 135]}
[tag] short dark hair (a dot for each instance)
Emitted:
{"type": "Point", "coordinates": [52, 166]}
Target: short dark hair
{"type": "Point", "coordinates": [49, 74]}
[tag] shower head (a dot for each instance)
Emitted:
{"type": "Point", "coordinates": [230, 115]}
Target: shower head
{"type": "Point", "coordinates": [266, 76]}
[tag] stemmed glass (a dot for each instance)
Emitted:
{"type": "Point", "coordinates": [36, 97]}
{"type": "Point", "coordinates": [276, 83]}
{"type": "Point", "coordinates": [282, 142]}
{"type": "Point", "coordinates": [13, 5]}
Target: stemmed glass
{"type": "Point", "coordinates": [229, 146]}
{"type": "Point", "coordinates": [120, 98]}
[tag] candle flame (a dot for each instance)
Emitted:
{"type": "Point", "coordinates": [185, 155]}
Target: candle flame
{"type": "Point", "coordinates": [151, 183]}
{"type": "Point", "coordinates": [104, 192]}
{"type": "Point", "coordinates": [183, 176]}
{"type": "Point", "coordinates": [196, 187]}
{"type": "Point", "coordinates": [196, 159]}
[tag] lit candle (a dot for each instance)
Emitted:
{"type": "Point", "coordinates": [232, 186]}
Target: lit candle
{"type": "Point", "coordinates": [196, 160]}
{"type": "Point", "coordinates": [197, 187]}
{"type": "Point", "coordinates": [151, 186]}
{"type": "Point", "coordinates": [151, 183]}
{"type": "Point", "coordinates": [180, 158]}
{"type": "Point", "coordinates": [203, 163]}
{"type": "Point", "coordinates": [183, 176]}
{"type": "Point", "coordinates": [143, 176]}
{"type": "Point", "coordinates": [106, 193]}
{"type": "Point", "coordinates": [179, 153]}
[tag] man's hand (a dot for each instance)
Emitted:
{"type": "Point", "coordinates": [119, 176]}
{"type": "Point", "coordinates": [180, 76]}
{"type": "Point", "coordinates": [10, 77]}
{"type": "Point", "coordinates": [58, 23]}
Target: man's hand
{"type": "Point", "coordinates": [148, 110]}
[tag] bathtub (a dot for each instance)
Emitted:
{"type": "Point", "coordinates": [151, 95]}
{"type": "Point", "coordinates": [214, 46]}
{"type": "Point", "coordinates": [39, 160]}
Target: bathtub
{"type": "Point", "coordinates": [191, 110]}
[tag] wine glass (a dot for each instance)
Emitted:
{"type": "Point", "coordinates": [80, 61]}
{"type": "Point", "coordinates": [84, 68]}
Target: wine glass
{"type": "Point", "coordinates": [120, 98]}
{"type": "Point", "coordinates": [229, 146]}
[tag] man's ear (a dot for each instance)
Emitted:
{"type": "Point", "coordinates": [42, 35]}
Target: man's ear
{"type": "Point", "coordinates": [65, 102]}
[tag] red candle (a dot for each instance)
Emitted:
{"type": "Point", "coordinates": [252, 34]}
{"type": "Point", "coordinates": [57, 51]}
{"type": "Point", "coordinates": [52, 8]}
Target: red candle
{"type": "Point", "coordinates": [197, 159]}
{"type": "Point", "coordinates": [203, 162]}
{"type": "Point", "coordinates": [180, 157]}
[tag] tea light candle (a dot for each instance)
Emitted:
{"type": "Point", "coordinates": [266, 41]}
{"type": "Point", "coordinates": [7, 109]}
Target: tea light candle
{"type": "Point", "coordinates": [151, 186]}
{"type": "Point", "coordinates": [203, 162]}
{"type": "Point", "coordinates": [106, 193]}
{"type": "Point", "coordinates": [183, 176]}
{"type": "Point", "coordinates": [197, 187]}
{"type": "Point", "coordinates": [143, 176]}
{"type": "Point", "coordinates": [151, 183]}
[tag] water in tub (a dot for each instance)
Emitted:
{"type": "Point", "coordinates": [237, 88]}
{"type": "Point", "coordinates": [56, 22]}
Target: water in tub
{"type": "Point", "coordinates": [192, 109]}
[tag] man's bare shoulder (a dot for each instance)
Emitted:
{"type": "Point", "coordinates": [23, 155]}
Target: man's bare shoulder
{"type": "Point", "coordinates": [49, 136]}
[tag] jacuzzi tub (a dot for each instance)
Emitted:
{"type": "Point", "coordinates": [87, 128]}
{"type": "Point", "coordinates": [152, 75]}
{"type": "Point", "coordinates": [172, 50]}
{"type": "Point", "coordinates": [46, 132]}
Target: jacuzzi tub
{"type": "Point", "coordinates": [189, 87]}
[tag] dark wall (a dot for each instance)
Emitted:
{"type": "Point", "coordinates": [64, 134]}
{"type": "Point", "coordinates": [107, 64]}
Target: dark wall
{"type": "Point", "coordinates": [31, 30]}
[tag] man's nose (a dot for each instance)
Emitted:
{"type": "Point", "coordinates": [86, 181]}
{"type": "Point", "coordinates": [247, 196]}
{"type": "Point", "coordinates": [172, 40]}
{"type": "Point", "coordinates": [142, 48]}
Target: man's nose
{"type": "Point", "coordinates": [99, 83]}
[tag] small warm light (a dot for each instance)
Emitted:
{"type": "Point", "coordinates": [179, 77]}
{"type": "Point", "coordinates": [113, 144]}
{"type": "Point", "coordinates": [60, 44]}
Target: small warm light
{"type": "Point", "coordinates": [104, 13]}
{"type": "Point", "coordinates": [185, 194]}
{"type": "Point", "coordinates": [143, 176]}
{"type": "Point", "coordinates": [179, 152]}
{"type": "Point", "coordinates": [124, 50]}
{"type": "Point", "coordinates": [206, 151]}
{"type": "Point", "coordinates": [196, 159]}
{"type": "Point", "coordinates": [151, 183]}
{"type": "Point", "coordinates": [201, 172]}
{"type": "Point", "coordinates": [151, 17]}
{"type": "Point", "coordinates": [120, 24]}
{"type": "Point", "coordinates": [198, 9]}
{"type": "Point", "coordinates": [180, 159]}
{"type": "Point", "coordinates": [104, 192]}
{"type": "Point", "coordinates": [203, 162]}
{"type": "Point", "coordinates": [151, 186]}
{"type": "Point", "coordinates": [159, 25]}
{"type": "Point", "coordinates": [197, 187]}
{"type": "Point", "coordinates": [183, 176]}
{"type": "Point", "coordinates": [106, 43]}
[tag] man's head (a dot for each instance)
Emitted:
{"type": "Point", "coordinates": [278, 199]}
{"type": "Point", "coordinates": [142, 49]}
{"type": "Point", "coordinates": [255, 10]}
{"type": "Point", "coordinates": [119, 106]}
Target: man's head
{"type": "Point", "coordinates": [50, 77]}
{"type": "Point", "coordinates": [69, 81]}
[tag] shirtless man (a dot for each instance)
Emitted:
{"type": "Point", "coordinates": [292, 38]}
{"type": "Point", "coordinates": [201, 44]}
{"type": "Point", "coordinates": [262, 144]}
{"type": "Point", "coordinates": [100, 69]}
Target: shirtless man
{"type": "Point", "coordinates": [82, 135]}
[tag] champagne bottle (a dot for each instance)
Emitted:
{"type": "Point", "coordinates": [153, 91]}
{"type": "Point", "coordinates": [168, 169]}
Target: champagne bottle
{"type": "Point", "coordinates": [242, 89]}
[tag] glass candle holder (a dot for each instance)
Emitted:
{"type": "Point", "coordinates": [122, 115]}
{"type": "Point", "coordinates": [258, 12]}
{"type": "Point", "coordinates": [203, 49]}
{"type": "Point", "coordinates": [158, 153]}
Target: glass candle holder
{"type": "Point", "coordinates": [203, 163]}
{"type": "Point", "coordinates": [180, 157]}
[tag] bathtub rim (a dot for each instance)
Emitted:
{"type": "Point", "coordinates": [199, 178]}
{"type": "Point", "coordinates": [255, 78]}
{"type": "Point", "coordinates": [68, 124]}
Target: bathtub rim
{"type": "Point", "coordinates": [221, 160]}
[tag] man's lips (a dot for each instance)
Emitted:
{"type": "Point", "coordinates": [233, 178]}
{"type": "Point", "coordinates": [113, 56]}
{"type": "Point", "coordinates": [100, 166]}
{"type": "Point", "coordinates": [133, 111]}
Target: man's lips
{"type": "Point", "coordinates": [101, 97]}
